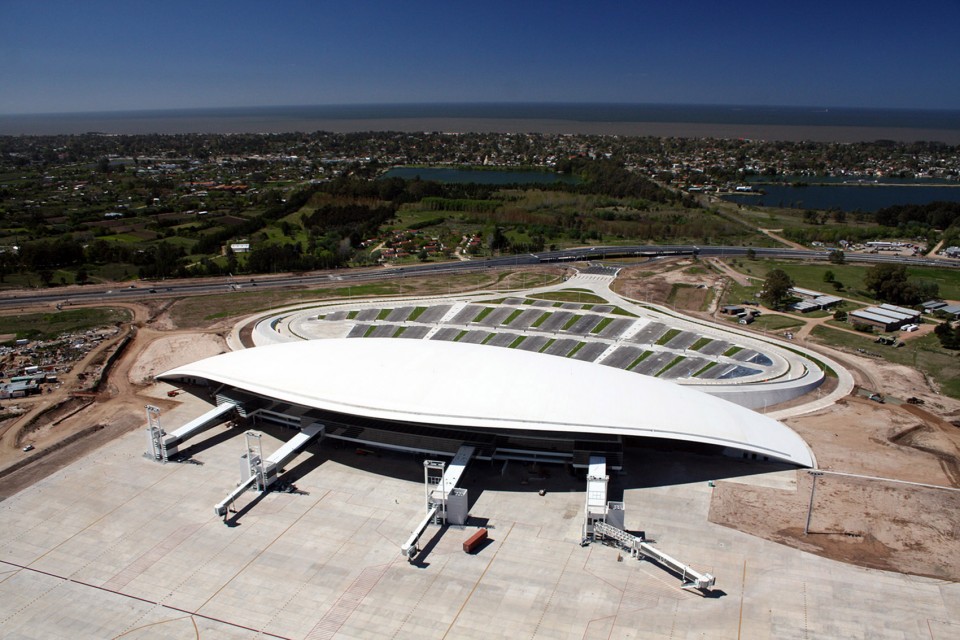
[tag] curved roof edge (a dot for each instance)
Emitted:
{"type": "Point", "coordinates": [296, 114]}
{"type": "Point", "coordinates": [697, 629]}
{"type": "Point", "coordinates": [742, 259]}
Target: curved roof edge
{"type": "Point", "coordinates": [454, 384]}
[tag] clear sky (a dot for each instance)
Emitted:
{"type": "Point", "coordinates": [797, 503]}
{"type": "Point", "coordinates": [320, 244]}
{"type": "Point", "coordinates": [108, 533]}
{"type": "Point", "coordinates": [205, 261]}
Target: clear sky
{"type": "Point", "coordinates": [93, 55]}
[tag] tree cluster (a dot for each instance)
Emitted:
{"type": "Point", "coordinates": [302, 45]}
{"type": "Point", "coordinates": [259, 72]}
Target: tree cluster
{"type": "Point", "coordinates": [890, 283]}
{"type": "Point", "coordinates": [948, 334]}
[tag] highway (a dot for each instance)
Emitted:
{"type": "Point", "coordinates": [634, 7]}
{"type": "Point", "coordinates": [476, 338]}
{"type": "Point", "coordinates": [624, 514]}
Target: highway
{"type": "Point", "coordinates": [145, 289]}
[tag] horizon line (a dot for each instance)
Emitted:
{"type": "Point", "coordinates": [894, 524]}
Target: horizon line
{"type": "Point", "coordinates": [476, 103]}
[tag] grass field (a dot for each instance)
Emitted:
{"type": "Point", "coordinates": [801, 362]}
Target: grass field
{"type": "Point", "coordinates": [810, 276]}
{"type": "Point", "coordinates": [924, 354]}
{"type": "Point", "coordinates": [690, 297]}
{"type": "Point", "coordinates": [49, 325]}
{"type": "Point", "coordinates": [772, 322]}
{"type": "Point", "coordinates": [569, 296]}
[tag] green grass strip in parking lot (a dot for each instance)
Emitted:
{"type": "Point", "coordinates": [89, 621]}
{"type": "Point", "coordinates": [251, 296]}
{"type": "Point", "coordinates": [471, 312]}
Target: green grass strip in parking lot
{"type": "Point", "coordinates": [483, 314]}
{"type": "Point", "coordinates": [700, 344]}
{"type": "Point", "coordinates": [668, 336]}
{"type": "Point", "coordinates": [513, 316]}
{"type": "Point", "coordinates": [709, 366]}
{"type": "Point", "coordinates": [672, 364]}
{"type": "Point", "coordinates": [643, 356]}
{"type": "Point", "coordinates": [601, 325]}
{"type": "Point", "coordinates": [539, 321]}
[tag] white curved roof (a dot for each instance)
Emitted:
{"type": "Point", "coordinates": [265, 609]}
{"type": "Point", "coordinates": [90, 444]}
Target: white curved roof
{"type": "Point", "coordinates": [467, 385]}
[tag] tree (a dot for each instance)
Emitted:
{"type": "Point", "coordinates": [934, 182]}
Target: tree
{"type": "Point", "coordinates": [751, 254]}
{"type": "Point", "coordinates": [836, 257]}
{"type": "Point", "coordinates": [776, 288]}
{"type": "Point", "coordinates": [949, 336]}
{"type": "Point", "coordinates": [828, 276]}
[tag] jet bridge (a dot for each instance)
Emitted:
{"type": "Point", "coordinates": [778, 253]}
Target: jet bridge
{"type": "Point", "coordinates": [603, 519]}
{"type": "Point", "coordinates": [258, 472]}
{"type": "Point", "coordinates": [639, 549]}
{"type": "Point", "coordinates": [444, 501]}
{"type": "Point", "coordinates": [162, 445]}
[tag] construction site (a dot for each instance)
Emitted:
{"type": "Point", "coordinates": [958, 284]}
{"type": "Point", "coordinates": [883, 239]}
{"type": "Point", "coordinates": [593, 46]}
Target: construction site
{"type": "Point", "coordinates": [203, 494]}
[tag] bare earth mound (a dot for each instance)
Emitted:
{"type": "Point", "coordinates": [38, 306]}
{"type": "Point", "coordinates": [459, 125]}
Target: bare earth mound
{"type": "Point", "coordinates": [168, 352]}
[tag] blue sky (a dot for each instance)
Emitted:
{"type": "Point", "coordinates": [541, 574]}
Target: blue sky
{"type": "Point", "coordinates": [94, 55]}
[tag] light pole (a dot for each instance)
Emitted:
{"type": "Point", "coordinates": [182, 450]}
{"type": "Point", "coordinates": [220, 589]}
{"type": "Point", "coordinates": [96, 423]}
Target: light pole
{"type": "Point", "coordinates": [813, 490]}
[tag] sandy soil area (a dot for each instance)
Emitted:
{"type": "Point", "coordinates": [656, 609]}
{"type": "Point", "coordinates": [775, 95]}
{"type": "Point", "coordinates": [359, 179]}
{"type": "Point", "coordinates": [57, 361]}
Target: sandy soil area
{"type": "Point", "coordinates": [167, 352]}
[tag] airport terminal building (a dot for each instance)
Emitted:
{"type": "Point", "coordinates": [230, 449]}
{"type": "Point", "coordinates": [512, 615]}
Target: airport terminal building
{"type": "Point", "coordinates": [435, 396]}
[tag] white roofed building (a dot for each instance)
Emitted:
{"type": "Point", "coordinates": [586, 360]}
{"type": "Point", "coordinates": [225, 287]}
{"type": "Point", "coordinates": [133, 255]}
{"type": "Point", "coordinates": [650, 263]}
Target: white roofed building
{"type": "Point", "coordinates": [432, 395]}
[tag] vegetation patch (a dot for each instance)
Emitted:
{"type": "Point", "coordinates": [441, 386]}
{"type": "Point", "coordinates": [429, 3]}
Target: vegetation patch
{"type": "Point", "coordinates": [399, 332]}
{"type": "Point", "coordinates": [672, 364]}
{"type": "Point", "coordinates": [572, 321]}
{"type": "Point", "coordinates": [512, 316]}
{"type": "Point", "coordinates": [707, 367]}
{"type": "Point", "coordinates": [569, 295]}
{"type": "Point", "coordinates": [689, 296]}
{"type": "Point", "coordinates": [517, 342]}
{"type": "Point", "coordinates": [774, 322]}
{"type": "Point", "coordinates": [643, 356]}
{"type": "Point", "coordinates": [700, 344]}
{"type": "Point", "coordinates": [601, 325]}
{"type": "Point", "coordinates": [732, 351]}
{"type": "Point", "coordinates": [547, 345]}
{"type": "Point", "coordinates": [543, 318]}
{"type": "Point", "coordinates": [383, 314]}
{"type": "Point", "coordinates": [43, 326]}
{"type": "Point", "coordinates": [483, 314]}
{"type": "Point", "coordinates": [575, 349]}
{"type": "Point", "coordinates": [416, 313]}
{"type": "Point", "coordinates": [668, 336]}
{"type": "Point", "coordinates": [924, 354]}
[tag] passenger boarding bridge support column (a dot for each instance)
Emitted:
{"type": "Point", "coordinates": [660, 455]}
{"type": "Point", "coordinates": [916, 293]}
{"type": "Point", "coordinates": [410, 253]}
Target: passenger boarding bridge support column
{"type": "Point", "coordinates": [155, 434]}
{"type": "Point", "coordinates": [259, 473]}
{"type": "Point", "coordinates": [446, 504]}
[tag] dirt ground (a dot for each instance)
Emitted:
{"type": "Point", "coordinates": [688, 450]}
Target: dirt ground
{"type": "Point", "coordinates": [654, 282]}
{"type": "Point", "coordinates": [167, 352]}
{"type": "Point", "coordinates": [881, 521]}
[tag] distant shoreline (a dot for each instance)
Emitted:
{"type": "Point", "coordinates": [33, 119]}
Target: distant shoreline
{"type": "Point", "coordinates": [788, 125]}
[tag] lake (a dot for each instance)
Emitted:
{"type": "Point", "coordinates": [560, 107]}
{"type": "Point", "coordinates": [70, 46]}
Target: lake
{"type": "Point", "coordinates": [479, 176]}
{"type": "Point", "coordinates": [847, 197]}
